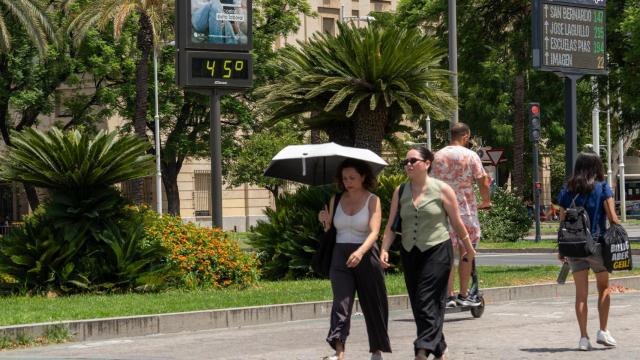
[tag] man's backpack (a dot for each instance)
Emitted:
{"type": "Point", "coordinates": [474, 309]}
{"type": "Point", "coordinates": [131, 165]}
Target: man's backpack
{"type": "Point", "coordinates": [574, 237]}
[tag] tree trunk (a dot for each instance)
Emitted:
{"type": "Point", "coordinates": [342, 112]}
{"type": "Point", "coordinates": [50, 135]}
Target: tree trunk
{"type": "Point", "coordinates": [518, 135]}
{"type": "Point", "coordinates": [32, 196]}
{"type": "Point", "coordinates": [145, 44]}
{"type": "Point", "coordinates": [369, 128]}
{"type": "Point", "coordinates": [170, 171]}
{"type": "Point", "coordinates": [170, 182]}
{"type": "Point", "coordinates": [341, 133]}
{"type": "Point", "coordinates": [315, 136]}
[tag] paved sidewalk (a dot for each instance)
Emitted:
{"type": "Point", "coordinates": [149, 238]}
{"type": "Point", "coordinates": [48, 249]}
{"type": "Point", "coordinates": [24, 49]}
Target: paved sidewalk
{"type": "Point", "coordinates": [534, 329]}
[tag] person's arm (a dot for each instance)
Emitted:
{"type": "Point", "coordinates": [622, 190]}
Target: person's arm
{"type": "Point", "coordinates": [389, 235]}
{"type": "Point", "coordinates": [485, 191]}
{"type": "Point", "coordinates": [326, 214]}
{"type": "Point", "coordinates": [450, 203]}
{"type": "Point", "coordinates": [483, 180]}
{"type": "Point", "coordinates": [610, 209]}
{"type": "Point", "coordinates": [375, 220]}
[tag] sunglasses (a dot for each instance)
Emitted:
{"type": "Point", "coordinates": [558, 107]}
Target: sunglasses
{"type": "Point", "coordinates": [411, 161]}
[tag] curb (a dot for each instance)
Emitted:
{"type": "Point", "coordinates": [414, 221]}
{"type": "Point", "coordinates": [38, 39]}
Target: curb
{"type": "Point", "coordinates": [108, 328]}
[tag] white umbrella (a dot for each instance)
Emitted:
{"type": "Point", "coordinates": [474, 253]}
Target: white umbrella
{"type": "Point", "coordinates": [316, 164]}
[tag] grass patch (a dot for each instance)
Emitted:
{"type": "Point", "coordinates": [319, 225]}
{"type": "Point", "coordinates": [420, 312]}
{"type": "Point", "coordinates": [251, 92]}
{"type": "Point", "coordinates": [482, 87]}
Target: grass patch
{"type": "Point", "coordinates": [523, 244]}
{"type": "Point", "coordinates": [23, 310]}
{"type": "Point", "coordinates": [529, 244]}
{"type": "Point", "coordinates": [242, 238]}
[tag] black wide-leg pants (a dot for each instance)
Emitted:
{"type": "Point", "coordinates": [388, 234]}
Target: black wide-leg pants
{"type": "Point", "coordinates": [426, 275]}
{"type": "Point", "coordinates": [367, 279]}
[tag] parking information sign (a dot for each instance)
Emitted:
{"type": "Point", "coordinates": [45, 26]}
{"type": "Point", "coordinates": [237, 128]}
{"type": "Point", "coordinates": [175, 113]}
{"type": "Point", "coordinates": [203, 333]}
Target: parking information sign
{"type": "Point", "coordinates": [569, 36]}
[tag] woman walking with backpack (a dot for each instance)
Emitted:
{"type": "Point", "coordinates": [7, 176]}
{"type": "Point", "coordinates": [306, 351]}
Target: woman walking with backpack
{"type": "Point", "coordinates": [587, 188]}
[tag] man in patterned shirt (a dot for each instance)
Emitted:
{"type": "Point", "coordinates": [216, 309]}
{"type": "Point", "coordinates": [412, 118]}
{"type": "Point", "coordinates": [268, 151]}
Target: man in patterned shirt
{"type": "Point", "coordinates": [461, 168]}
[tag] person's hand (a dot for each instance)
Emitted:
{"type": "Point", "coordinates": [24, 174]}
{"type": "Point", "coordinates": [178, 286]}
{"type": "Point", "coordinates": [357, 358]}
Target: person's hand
{"type": "Point", "coordinates": [384, 259]}
{"type": "Point", "coordinates": [354, 259]}
{"type": "Point", "coordinates": [469, 255]}
{"type": "Point", "coordinates": [562, 258]}
{"type": "Point", "coordinates": [323, 217]}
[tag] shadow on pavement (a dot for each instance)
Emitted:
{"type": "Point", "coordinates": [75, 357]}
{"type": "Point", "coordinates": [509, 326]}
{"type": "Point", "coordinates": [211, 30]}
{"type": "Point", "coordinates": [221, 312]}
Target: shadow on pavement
{"type": "Point", "coordinates": [445, 320]}
{"type": "Point", "coordinates": [558, 350]}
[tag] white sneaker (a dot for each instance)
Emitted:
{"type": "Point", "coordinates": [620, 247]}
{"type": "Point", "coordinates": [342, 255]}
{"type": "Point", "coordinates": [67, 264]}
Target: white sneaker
{"type": "Point", "coordinates": [332, 357]}
{"type": "Point", "coordinates": [376, 357]}
{"type": "Point", "coordinates": [605, 338]}
{"type": "Point", "coordinates": [584, 344]}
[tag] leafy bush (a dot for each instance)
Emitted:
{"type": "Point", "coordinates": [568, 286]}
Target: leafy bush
{"type": "Point", "coordinates": [38, 257]}
{"type": "Point", "coordinates": [202, 257]}
{"type": "Point", "coordinates": [287, 241]}
{"type": "Point", "coordinates": [83, 237]}
{"type": "Point", "coordinates": [507, 220]}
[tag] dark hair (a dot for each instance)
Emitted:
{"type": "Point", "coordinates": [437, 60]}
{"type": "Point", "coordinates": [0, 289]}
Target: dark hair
{"type": "Point", "coordinates": [425, 153]}
{"type": "Point", "coordinates": [587, 170]}
{"type": "Point", "coordinates": [361, 168]}
{"type": "Point", "coordinates": [459, 130]}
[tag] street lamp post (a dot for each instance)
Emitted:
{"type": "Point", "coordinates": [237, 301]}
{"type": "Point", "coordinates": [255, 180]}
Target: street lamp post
{"type": "Point", "coordinates": [595, 118]}
{"type": "Point", "coordinates": [156, 124]}
{"type": "Point", "coordinates": [428, 125]}
{"type": "Point", "coordinates": [609, 171]}
{"type": "Point", "coordinates": [453, 56]}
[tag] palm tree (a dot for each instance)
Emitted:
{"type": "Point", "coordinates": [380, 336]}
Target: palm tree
{"type": "Point", "coordinates": [359, 82]}
{"type": "Point", "coordinates": [75, 162]}
{"type": "Point", "coordinates": [150, 16]}
{"type": "Point", "coordinates": [31, 17]}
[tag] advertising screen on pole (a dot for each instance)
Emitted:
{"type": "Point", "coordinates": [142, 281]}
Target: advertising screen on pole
{"type": "Point", "coordinates": [219, 22]}
{"type": "Point", "coordinates": [214, 41]}
{"type": "Point", "coordinates": [570, 36]}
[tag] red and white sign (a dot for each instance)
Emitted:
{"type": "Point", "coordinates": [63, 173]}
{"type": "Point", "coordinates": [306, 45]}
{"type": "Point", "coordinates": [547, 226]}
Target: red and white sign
{"type": "Point", "coordinates": [494, 155]}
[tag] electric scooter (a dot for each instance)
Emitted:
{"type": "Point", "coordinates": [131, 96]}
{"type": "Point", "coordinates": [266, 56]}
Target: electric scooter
{"type": "Point", "coordinates": [474, 293]}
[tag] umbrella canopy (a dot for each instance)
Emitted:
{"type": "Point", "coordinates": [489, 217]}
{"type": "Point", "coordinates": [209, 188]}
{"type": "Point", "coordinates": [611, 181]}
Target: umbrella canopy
{"type": "Point", "coordinates": [316, 164]}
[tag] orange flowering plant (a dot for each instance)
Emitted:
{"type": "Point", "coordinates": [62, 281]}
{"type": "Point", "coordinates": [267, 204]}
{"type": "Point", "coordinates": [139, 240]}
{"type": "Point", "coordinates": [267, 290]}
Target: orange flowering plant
{"type": "Point", "coordinates": [203, 257]}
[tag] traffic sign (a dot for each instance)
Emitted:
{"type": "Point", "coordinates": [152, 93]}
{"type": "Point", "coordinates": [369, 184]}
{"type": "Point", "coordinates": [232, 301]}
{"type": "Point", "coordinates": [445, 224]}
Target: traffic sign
{"type": "Point", "coordinates": [569, 36]}
{"type": "Point", "coordinates": [495, 156]}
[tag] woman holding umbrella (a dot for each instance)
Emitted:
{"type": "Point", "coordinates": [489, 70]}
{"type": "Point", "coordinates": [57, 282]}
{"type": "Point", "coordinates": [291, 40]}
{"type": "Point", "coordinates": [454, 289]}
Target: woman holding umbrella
{"type": "Point", "coordinates": [355, 265]}
{"type": "Point", "coordinates": [426, 206]}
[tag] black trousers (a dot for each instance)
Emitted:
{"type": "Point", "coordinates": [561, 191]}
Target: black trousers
{"type": "Point", "coordinates": [367, 279]}
{"type": "Point", "coordinates": [426, 275]}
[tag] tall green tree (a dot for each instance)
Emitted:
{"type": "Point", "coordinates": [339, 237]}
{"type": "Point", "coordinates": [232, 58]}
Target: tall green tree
{"type": "Point", "coordinates": [184, 116]}
{"type": "Point", "coordinates": [257, 150]}
{"type": "Point", "coordinates": [149, 14]}
{"type": "Point", "coordinates": [364, 76]}
{"type": "Point", "coordinates": [32, 19]}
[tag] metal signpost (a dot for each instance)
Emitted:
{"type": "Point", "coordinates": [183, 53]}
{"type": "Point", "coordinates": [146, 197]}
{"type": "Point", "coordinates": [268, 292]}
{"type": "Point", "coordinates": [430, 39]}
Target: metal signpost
{"type": "Point", "coordinates": [214, 39]}
{"type": "Point", "coordinates": [534, 136]}
{"type": "Point", "coordinates": [569, 38]}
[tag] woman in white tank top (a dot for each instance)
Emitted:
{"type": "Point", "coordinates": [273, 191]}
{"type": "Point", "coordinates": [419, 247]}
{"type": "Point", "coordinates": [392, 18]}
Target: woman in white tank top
{"type": "Point", "coordinates": [355, 265]}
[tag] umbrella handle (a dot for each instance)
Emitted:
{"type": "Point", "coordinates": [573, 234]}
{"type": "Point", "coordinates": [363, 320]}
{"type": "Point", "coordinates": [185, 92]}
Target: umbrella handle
{"type": "Point", "coordinates": [304, 167]}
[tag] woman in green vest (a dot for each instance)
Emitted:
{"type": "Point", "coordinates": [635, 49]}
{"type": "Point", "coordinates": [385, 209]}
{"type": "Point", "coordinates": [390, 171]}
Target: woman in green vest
{"type": "Point", "coordinates": [426, 206]}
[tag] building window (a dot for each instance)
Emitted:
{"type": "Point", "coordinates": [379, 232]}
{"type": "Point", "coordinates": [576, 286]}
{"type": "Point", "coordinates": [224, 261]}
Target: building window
{"type": "Point", "coordinates": [61, 110]}
{"type": "Point", "coordinates": [202, 192]}
{"type": "Point", "coordinates": [127, 190]}
{"type": "Point", "coordinates": [329, 25]}
{"type": "Point", "coordinates": [355, 13]}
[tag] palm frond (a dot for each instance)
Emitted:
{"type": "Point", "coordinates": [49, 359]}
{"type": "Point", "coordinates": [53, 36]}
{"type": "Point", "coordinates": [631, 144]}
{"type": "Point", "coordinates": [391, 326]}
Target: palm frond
{"type": "Point", "coordinates": [34, 21]}
{"type": "Point", "coordinates": [74, 160]}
